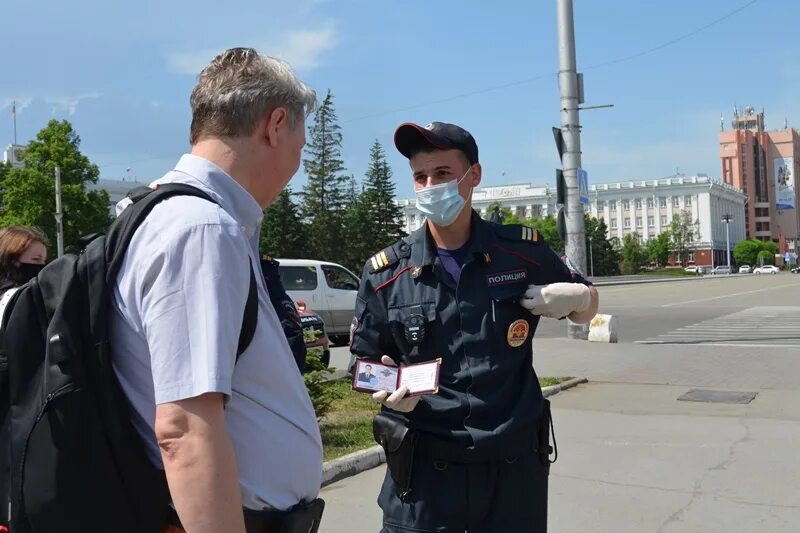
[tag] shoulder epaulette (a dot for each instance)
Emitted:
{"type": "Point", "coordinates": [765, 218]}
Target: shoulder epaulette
{"type": "Point", "coordinates": [389, 256]}
{"type": "Point", "coordinates": [518, 232]}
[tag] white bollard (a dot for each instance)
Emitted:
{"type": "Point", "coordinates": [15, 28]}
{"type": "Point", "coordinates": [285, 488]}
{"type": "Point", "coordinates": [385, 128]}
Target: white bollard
{"type": "Point", "coordinates": [603, 328]}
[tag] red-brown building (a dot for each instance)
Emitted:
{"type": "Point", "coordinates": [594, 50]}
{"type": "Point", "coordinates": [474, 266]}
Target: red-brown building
{"type": "Point", "coordinates": [764, 165]}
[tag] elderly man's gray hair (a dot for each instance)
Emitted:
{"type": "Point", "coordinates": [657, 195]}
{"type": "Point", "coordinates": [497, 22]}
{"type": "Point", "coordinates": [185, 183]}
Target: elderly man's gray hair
{"type": "Point", "coordinates": [239, 88]}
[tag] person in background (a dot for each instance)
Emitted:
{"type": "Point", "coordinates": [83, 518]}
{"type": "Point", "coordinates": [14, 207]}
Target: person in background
{"type": "Point", "coordinates": [23, 254]}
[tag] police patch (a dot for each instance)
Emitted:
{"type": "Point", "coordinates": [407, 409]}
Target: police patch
{"type": "Point", "coordinates": [505, 278]}
{"type": "Point", "coordinates": [518, 333]}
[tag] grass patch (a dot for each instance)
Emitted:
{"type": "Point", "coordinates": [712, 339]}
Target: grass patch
{"type": "Point", "coordinates": [549, 382]}
{"type": "Point", "coordinates": [348, 425]}
{"type": "Point", "coordinates": [677, 272]}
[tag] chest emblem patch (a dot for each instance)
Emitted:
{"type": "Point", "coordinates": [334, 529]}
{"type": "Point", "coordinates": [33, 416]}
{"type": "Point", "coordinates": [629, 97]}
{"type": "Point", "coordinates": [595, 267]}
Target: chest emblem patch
{"type": "Point", "coordinates": [518, 333]}
{"type": "Point", "coordinates": [505, 278]}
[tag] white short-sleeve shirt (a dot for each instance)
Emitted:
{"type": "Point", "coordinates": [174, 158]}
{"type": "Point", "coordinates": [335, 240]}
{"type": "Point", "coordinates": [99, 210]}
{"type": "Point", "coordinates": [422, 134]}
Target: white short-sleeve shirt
{"type": "Point", "coordinates": [178, 309]}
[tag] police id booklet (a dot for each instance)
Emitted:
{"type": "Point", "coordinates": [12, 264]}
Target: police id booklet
{"type": "Point", "coordinates": [420, 378]}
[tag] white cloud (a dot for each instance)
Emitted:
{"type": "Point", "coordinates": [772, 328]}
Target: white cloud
{"type": "Point", "coordinates": [21, 103]}
{"type": "Point", "coordinates": [300, 48]}
{"type": "Point", "coordinates": [69, 104]}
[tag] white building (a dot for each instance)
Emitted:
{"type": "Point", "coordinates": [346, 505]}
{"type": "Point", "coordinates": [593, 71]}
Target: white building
{"type": "Point", "coordinates": [643, 206]}
{"type": "Point", "coordinates": [116, 189]}
{"type": "Point", "coordinates": [647, 207]}
{"type": "Point", "coordinates": [13, 154]}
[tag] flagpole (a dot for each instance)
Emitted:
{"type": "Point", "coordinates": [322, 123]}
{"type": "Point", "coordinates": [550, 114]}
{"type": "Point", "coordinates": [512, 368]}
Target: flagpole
{"type": "Point", "coordinates": [14, 112]}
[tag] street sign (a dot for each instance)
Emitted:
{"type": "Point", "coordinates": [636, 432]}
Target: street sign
{"type": "Point", "coordinates": [583, 186]}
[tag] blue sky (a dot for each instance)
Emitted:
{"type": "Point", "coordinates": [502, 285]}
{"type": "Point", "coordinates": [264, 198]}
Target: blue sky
{"type": "Point", "coordinates": [122, 75]}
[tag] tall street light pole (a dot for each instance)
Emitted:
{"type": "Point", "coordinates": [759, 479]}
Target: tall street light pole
{"type": "Point", "coordinates": [727, 219]}
{"type": "Point", "coordinates": [571, 155]}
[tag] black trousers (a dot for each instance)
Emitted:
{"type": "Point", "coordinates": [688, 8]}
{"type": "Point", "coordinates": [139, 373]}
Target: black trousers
{"type": "Point", "coordinates": [509, 496]}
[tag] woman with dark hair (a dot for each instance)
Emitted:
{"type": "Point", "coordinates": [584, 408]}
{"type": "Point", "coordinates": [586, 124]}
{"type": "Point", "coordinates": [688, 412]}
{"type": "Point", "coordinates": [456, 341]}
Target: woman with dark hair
{"type": "Point", "coordinates": [23, 253]}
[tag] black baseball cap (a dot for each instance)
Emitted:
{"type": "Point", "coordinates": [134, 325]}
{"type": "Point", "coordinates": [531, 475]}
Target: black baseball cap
{"type": "Point", "coordinates": [410, 137]}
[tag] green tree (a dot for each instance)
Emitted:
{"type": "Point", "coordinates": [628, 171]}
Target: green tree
{"type": "Point", "coordinates": [282, 232]}
{"type": "Point", "coordinates": [634, 253]}
{"type": "Point", "coordinates": [603, 255]}
{"type": "Point", "coordinates": [765, 257]}
{"type": "Point", "coordinates": [495, 209]}
{"type": "Point", "coordinates": [683, 232]}
{"type": "Point", "coordinates": [547, 229]}
{"type": "Point", "coordinates": [658, 249]}
{"type": "Point", "coordinates": [325, 193]}
{"type": "Point", "coordinates": [745, 252]}
{"type": "Point", "coordinates": [379, 191]}
{"type": "Point", "coordinates": [356, 229]}
{"type": "Point", "coordinates": [28, 193]}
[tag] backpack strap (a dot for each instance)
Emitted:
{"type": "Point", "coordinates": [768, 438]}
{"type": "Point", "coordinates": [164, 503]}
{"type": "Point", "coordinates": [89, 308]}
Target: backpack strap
{"type": "Point", "coordinates": [122, 230]}
{"type": "Point", "coordinates": [4, 303]}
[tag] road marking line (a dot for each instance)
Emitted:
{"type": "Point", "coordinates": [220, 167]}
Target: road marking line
{"type": "Point", "coordinates": [727, 344]}
{"type": "Point", "coordinates": [729, 295]}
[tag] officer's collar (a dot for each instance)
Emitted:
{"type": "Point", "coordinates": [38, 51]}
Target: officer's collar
{"type": "Point", "coordinates": [422, 249]}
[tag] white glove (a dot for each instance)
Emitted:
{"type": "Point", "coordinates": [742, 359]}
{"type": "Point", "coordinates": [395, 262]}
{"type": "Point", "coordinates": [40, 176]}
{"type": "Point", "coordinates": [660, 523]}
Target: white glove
{"type": "Point", "coordinates": [397, 400]}
{"type": "Point", "coordinates": [557, 300]}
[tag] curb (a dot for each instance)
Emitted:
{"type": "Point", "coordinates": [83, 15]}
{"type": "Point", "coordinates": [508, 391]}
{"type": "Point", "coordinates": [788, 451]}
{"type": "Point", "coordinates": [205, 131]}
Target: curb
{"type": "Point", "coordinates": [352, 464]}
{"type": "Point", "coordinates": [555, 389]}
{"type": "Point", "coordinates": [360, 461]}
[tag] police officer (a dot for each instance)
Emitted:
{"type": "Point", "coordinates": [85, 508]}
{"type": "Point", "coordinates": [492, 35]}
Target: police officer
{"type": "Point", "coordinates": [286, 310]}
{"type": "Point", "coordinates": [475, 456]}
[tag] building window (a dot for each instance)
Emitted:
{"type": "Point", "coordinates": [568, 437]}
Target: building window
{"type": "Point", "coordinates": [691, 257]}
{"type": "Point", "coordinates": [762, 226]}
{"type": "Point", "coordinates": [638, 222]}
{"type": "Point", "coordinates": [613, 222]}
{"type": "Point", "coordinates": [637, 203]}
{"type": "Point", "coordinates": [650, 203]}
{"type": "Point", "coordinates": [612, 205]}
{"type": "Point", "coordinates": [651, 222]}
{"type": "Point", "coordinates": [762, 211]}
{"type": "Point", "coordinates": [676, 202]}
{"type": "Point", "coordinates": [600, 205]}
{"type": "Point", "coordinates": [626, 205]}
{"type": "Point", "coordinates": [687, 200]}
{"type": "Point", "coordinates": [663, 220]}
{"type": "Point", "coordinates": [627, 222]}
{"type": "Point", "coordinates": [662, 201]}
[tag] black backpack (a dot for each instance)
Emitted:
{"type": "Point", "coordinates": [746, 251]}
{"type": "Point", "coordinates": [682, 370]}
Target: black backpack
{"type": "Point", "coordinates": [70, 459]}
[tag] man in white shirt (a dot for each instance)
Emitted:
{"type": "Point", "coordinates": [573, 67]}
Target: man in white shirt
{"type": "Point", "coordinates": [230, 435]}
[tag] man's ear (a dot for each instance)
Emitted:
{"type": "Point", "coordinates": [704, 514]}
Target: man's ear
{"type": "Point", "coordinates": [476, 174]}
{"type": "Point", "coordinates": [275, 121]}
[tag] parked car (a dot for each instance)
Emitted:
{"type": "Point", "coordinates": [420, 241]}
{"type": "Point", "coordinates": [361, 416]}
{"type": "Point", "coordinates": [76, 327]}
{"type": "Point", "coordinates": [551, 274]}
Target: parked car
{"type": "Point", "coordinates": [796, 270]}
{"type": "Point", "coordinates": [745, 269]}
{"type": "Point", "coordinates": [702, 270]}
{"type": "Point", "coordinates": [328, 288]}
{"type": "Point", "coordinates": [721, 270]}
{"type": "Point", "coordinates": [766, 269]}
{"type": "Point", "coordinates": [690, 268]}
{"type": "Point", "coordinates": [311, 321]}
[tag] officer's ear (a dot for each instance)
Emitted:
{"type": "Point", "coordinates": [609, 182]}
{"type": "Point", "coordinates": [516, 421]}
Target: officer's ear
{"type": "Point", "coordinates": [475, 175]}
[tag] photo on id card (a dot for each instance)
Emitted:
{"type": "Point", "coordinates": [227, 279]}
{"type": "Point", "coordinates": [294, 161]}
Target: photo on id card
{"type": "Point", "coordinates": [420, 378]}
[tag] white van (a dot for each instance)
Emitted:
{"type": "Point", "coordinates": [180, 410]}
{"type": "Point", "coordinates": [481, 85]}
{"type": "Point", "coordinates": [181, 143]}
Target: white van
{"type": "Point", "coordinates": [326, 288]}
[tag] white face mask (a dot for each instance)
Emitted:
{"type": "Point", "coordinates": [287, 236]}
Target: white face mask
{"type": "Point", "coordinates": [442, 203]}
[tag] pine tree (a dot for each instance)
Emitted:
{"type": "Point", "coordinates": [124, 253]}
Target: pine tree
{"type": "Point", "coordinates": [379, 193]}
{"type": "Point", "coordinates": [324, 195]}
{"type": "Point", "coordinates": [603, 255]}
{"type": "Point", "coordinates": [282, 232]}
{"type": "Point", "coordinates": [358, 238]}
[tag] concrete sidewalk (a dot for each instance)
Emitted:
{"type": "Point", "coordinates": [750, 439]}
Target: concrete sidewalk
{"type": "Point", "coordinates": [634, 459]}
